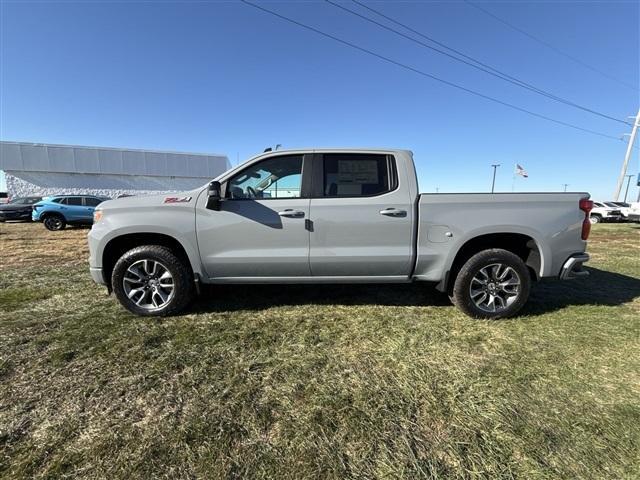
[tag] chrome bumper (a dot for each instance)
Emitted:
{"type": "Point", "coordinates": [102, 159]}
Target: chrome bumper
{"type": "Point", "coordinates": [572, 268]}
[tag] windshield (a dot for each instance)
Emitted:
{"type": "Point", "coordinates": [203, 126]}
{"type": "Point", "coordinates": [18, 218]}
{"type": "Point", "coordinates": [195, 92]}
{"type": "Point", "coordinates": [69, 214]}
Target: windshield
{"type": "Point", "coordinates": [611, 204]}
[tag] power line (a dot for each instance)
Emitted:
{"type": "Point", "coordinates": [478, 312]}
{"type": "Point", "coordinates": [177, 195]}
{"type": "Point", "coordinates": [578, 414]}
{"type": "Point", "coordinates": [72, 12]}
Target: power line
{"type": "Point", "coordinates": [550, 46]}
{"type": "Point", "coordinates": [424, 74]}
{"type": "Point", "coordinates": [476, 63]}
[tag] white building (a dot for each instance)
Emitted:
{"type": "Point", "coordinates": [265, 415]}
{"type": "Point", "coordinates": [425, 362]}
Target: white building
{"type": "Point", "coordinates": [43, 169]}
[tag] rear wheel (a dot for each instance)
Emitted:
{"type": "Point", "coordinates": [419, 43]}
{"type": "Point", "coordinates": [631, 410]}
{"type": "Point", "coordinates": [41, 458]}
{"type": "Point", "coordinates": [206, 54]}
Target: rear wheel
{"type": "Point", "coordinates": [151, 280]}
{"type": "Point", "coordinates": [54, 222]}
{"type": "Point", "coordinates": [492, 284]}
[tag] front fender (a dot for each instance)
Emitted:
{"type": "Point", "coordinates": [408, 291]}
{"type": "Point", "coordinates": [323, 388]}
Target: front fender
{"type": "Point", "coordinates": [177, 224]}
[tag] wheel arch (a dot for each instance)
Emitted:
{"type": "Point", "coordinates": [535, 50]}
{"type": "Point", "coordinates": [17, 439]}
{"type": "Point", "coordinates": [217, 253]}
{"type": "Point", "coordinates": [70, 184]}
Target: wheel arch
{"type": "Point", "coordinates": [46, 214]}
{"type": "Point", "coordinates": [121, 244]}
{"type": "Point", "coordinates": [521, 244]}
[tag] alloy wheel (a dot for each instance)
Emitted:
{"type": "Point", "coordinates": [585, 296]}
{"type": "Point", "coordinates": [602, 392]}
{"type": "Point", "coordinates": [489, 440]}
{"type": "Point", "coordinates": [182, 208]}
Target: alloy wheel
{"type": "Point", "coordinates": [149, 284]}
{"type": "Point", "coordinates": [495, 287]}
{"type": "Point", "coordinates": [53, 223]}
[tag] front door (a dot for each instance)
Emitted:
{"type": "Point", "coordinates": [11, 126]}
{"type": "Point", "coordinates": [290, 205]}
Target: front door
{"type": "Point", "coordinates": [362, 217]}
{"type": "Point", "coordinates": [260, 229]}
{"type": "Point", "coordinates": [73, 209]}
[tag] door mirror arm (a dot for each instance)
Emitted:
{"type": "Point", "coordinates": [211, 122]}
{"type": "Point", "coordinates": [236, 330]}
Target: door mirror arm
{"type": "Point", "coordinates": [214, 196]}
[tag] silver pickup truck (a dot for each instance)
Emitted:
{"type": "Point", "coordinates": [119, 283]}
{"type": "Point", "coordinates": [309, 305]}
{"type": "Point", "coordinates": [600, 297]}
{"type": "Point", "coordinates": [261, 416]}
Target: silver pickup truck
{"type": "Point", "coordinates": [336, 216]}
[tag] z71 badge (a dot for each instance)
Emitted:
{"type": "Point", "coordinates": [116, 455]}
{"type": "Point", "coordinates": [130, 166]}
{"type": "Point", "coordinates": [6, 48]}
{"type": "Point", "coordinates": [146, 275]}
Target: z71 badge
{"type": "Point", "coordinates": [177, 199]}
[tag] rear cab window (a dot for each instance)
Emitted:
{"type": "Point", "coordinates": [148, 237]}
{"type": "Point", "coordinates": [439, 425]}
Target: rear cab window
{"type": "Point", "coordinates": [357, 175]}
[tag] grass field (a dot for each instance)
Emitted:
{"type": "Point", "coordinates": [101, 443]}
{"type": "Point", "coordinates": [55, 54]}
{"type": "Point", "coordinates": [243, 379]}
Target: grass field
{"type": "Point", "coordinates": [316, 382]}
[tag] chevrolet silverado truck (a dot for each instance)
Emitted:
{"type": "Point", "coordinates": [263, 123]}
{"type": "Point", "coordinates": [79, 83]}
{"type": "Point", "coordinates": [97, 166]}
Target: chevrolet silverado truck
{"type": "Point", "coordinates": [336, 216]}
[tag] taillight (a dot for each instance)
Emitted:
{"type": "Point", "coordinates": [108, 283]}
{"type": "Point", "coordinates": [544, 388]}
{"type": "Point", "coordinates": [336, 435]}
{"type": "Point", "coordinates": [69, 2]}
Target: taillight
{"type": "Point", "coordinates": [586, 206]}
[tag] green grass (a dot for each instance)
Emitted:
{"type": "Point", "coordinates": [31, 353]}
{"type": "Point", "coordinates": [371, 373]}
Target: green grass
{"type": "Point", "coordinates": [317, 382]}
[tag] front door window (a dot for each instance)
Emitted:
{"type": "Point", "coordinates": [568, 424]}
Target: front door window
{"type": "Point", "coordinates": [279, 177]}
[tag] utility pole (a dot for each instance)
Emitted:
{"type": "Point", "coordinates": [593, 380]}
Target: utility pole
{"type": "Point", "coordinates": [627, 189]}
{"type": "Point", "coordinates": [495, 167]}
{"type": "Point", "coordinates": [627, 156]}
{"type": "Point", "coordinates": [565, 185]}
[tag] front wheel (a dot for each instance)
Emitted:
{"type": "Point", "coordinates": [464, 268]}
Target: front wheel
{"type": "Point", "coordinates": [595, 219]}
{"type": "Point", "coordinates": [54, 223]}
{"type": "Point", "coordinates": [151, 280]}
{"type": "Point", "coordinates": [492, 284]}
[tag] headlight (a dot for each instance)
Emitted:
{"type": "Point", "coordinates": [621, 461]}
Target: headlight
{"type": "Point", "coordinates": [97, 216]}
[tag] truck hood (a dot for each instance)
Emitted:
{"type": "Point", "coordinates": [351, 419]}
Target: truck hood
{"type": "Point", "coordinates": [145, 201]}
{"type": "Point", "coordinates": [12, 207]}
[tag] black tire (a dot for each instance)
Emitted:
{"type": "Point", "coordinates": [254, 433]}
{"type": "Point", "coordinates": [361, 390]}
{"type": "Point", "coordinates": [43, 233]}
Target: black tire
{"type": "Point", "coordinates": [474, 269]}
{"type": "Point", "coordinates": [181, 276]}
{"type": "Point", "coordinates": [54, 222]}
{"type": "Point", "coordinates": [595, 219]}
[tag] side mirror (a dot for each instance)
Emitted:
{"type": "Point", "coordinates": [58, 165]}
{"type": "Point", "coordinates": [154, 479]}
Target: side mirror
{"type": "Point", "coordinates": [213, 202]}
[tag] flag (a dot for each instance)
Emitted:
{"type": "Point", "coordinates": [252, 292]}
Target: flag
{"type": "Point", "coordinates": [521, 171]}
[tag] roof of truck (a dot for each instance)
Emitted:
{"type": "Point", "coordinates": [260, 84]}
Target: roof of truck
{"type": "Point", "coordinates": [340, 149]}
{"type": "Point", "coordinates": [294, 151]}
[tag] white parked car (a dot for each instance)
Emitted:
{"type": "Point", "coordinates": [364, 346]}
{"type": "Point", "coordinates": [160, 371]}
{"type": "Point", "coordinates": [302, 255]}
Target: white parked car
{"type": "Point", "coordinates": [624, 207]}
{"type": "Point", "coordinates": [634, 212]}
{"type": "Point", "coordinates": [603, 213]}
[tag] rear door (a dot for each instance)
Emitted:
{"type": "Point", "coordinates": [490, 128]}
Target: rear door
{"type": "Point", "coordinates": [361, 217]}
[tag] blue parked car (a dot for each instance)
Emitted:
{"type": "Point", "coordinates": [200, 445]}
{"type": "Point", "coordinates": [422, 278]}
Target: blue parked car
{"type": "Point", "coordinates": [59, 210]}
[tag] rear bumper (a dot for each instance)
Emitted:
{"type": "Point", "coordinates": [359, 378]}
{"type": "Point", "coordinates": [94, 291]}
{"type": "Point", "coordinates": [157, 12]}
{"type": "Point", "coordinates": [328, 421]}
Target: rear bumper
{"type": "Point", "coordinates": [573, 267]}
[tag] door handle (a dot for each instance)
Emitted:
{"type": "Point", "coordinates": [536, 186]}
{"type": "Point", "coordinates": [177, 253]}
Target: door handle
{"type": "Point", "coordinates": [290, 213]}
{"type": "Point", "coordinates": [393, 212]}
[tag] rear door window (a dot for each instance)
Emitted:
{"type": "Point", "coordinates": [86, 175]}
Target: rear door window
{"type": "Point", "coordinates": [75, 201]}
{"type": "Point", "coordinates": [92, 201]}
{"type": "Point", "coordinates": [357, 175]}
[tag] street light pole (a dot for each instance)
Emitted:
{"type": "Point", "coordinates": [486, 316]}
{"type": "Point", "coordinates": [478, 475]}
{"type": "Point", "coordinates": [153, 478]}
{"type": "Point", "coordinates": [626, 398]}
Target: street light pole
{"type": "Point", "coordinates": [565, 185]}
{"type": "Point", "coordinates": [493, 182]}
{"type": "Point", "coordinates": [627, 190]}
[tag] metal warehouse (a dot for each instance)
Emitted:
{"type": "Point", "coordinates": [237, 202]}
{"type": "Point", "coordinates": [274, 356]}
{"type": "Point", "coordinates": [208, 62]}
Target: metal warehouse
{"type": "Point", "coordinates": [45, 169]}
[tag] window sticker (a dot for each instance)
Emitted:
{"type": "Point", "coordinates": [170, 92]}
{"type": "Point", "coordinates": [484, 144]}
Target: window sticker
{"type": "Point", "coordinates": [358, 172]}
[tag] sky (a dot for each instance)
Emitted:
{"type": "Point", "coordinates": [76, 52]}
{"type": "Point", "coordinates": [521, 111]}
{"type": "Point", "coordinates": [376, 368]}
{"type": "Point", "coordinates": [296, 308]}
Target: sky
{"type": "Point", "coordinates": [223, 77]}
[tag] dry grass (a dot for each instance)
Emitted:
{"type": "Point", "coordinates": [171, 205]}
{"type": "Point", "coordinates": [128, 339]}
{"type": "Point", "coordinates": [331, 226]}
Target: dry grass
{"type": "Point", "coordinates": [315, 382]}
{"type": "Point", "coordinates": [30, 245]}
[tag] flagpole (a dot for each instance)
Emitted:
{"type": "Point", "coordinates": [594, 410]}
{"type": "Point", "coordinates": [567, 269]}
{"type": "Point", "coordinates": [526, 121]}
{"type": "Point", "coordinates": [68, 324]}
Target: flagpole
{"type": "Point", "coordinates": [513, 183]}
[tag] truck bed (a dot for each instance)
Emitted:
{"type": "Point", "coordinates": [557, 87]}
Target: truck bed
{"type": "Point", "coordinates": [446, 221]}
